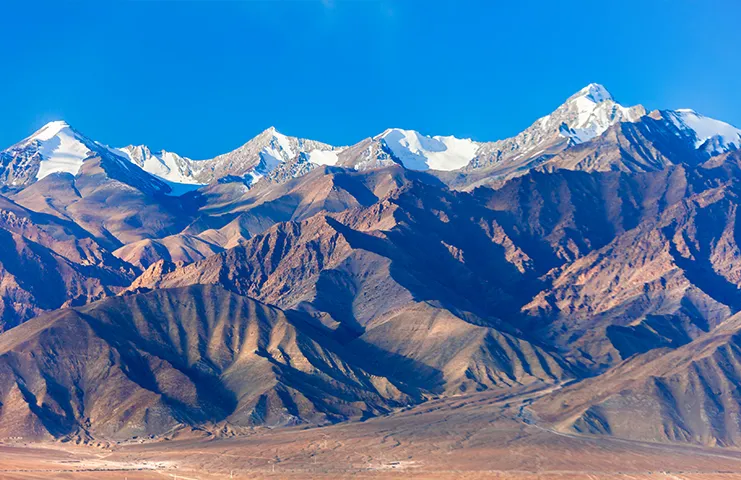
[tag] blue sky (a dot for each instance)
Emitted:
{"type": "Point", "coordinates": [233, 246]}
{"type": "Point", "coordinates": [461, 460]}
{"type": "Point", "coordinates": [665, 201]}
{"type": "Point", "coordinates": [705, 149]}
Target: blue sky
{"type": "Point", "coordinates": [202, 77]}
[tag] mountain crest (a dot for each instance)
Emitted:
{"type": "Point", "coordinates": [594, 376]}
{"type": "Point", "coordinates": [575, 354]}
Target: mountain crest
{"type": "Point", "coordinates": [594, 92]}
{"type": "Point", "coordinates": [591, 111]}
{"type": "Point", "coordinates": [50, 130]}
{"type": "Point", "coordinates": [54, 148]}
{"type": "Point", "coordinates": [585, 115]}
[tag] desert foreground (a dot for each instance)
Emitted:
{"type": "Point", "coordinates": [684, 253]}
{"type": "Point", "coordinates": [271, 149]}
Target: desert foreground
{"type": "Point", "coordinates": [473, 436]}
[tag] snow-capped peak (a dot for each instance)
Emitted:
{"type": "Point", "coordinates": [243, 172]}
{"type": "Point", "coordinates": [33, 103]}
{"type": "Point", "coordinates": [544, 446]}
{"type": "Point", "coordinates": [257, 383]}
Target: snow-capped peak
{"type": "Point", "coordinates": [263, 155]}
{"type": "Point", "coordinates": [50, 130]}
{"type": "Point", "coordinates": [593, 92]}
{"type": "Point", "coordinates": [709, 134]}
{"type": "Point", "coordinates": [422, 152]}
{"type": "Point", "coordinates": [590, 112]}
{"type": "Point", "coordinates": [57, 148]}
{"type": "Point", "coordinates": [585, 115]}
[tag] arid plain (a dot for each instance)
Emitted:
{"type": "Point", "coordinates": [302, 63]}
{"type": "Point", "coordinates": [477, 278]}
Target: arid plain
{"type": "Point", "coordinates": [478, 436]}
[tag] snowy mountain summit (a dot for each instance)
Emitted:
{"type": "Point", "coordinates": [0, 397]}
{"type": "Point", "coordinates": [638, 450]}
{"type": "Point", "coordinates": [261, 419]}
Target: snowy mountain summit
{"type": "Point", "coordinates": [261, 156]}
{"type": "Point", "coordinates": [588, 113]}
{"type": "Point", "coordinates": [582, 119]}
{"type": "Point", "coordinates": [54, 148]}
{"type": "Point", "coordinates": [584, 116]}
{"type": "Point", "coordinates": [59, 148]}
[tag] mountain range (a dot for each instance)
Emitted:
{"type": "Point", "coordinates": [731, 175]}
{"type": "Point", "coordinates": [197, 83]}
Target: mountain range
{"type": "Point", "coordinates": [594, 257]}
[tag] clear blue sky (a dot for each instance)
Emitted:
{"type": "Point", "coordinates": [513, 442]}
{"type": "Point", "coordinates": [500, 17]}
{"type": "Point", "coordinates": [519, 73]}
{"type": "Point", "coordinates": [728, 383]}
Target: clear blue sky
{"type": "Point", "coordinates": [202, 77]}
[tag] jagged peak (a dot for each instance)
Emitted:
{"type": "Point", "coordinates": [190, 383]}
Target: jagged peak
{"type": "Point", "coordinates": [590, 111]}
{"type": "Point", "coordinates": [267, 136]}
{"type": "Point", "coordinates": [594, 92]}
{"type": "Point", "coordinates": [585, 115]}
{"type": "Point", "coordinates": [141, 148]}
{"type": "Point", "coordinates": [271, 131]}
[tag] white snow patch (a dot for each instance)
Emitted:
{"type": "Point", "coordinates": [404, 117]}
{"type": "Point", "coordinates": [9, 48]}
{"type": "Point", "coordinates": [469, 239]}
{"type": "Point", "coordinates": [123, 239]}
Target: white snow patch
{"type": "Point", "coordinates": [278, 151]}
{"type": "Point", "coordinates": [49, 130]}
{"type": "Point", "coordinates": [270, 157]}
{"type": "Point", "coordinates": [323, 157]}
{"type": "Point", "coordinates": [421, 152]}
{"type": "Point", "coordinates": [284, 142]}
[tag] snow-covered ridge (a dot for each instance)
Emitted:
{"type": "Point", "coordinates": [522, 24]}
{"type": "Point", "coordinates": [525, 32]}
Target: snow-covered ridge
{"type": "Point", "coordinates": [709, 134]}
{"type": "Point", "coordinates": [263, 155]}
{"type": "Point", "coordinates": [587, 114]}
{"type": "Point", "coordinates": [582, 117]}
{"type": "Point", "coordinates": [57, 147]}
{"type": "Point", "coordinates": [252, 161]}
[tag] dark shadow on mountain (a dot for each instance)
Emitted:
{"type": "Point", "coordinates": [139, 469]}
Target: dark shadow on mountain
{"type": "Point", "coordinates": [371, 359]}
{"type": "Point", "coordinates": [335, 291]}
{"type": "Point", "coordinates": [654, 331]}
{"type": "Point", "coordinates": [700, 271]}
{"type": "Point", "coordinates": [134, 350]}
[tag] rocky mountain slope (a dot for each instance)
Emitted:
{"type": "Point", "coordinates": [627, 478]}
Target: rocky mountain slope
{"type": "Point", "coordinates": [209, 357]}
{"type": "Point", "coordinates": [690, 394]}
{"type": "Point", "coordinates": [602, 265]}
{"type": "Point", "coordinates": [215, 359]}
{"type": "Point", "coordinates": [48, 262]}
